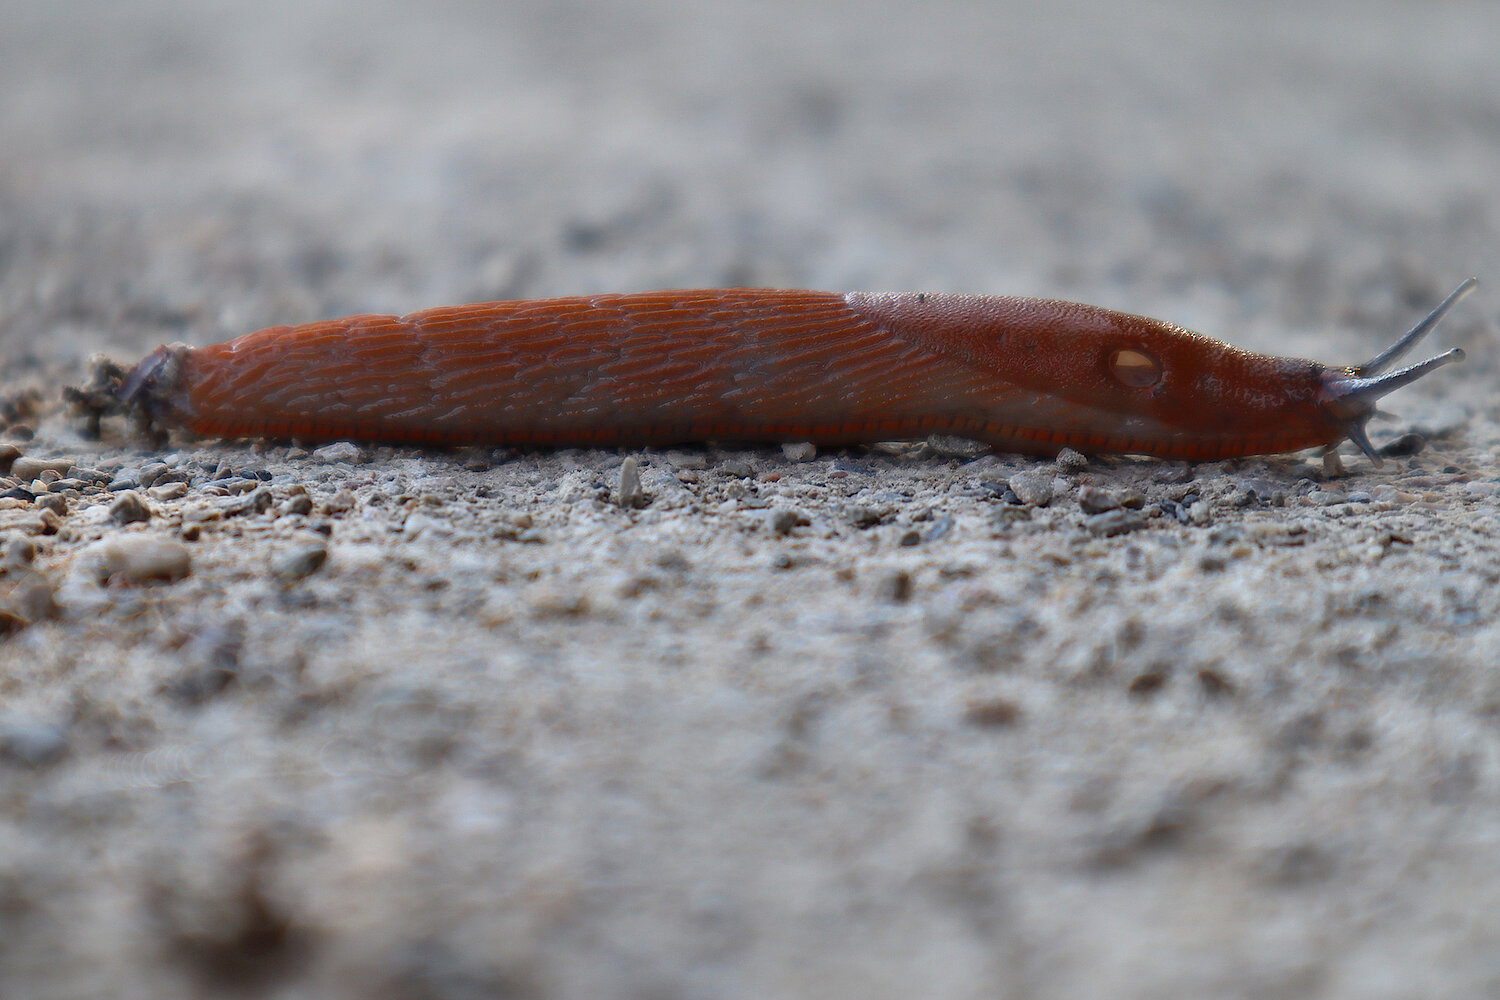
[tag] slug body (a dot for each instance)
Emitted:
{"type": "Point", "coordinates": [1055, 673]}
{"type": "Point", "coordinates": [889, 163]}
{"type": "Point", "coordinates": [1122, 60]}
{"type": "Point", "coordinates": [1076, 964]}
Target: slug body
{"type": "Point", "coordinates": [1024, 375]}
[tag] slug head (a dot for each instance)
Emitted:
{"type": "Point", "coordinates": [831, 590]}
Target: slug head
{"type": "Point", "coordinates": [1350, 395]}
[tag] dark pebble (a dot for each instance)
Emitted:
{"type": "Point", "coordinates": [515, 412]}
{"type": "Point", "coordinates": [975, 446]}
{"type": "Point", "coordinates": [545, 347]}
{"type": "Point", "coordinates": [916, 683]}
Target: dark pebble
{"type": "Point", "coordinates": [737, 468]}
{"type": "Point", "coordinates": [1147, 684]}
{"type": "Point", "coordinates": [910, 538]}
{"type": "Point", "coordinates": [300, 504]}
{"type": "Point", "coordinates": [19, 493]}
{"type": "Point", "coordinates": [1410, 443]}
{"type": "Point", "coordinates": [991, 712]}
{"type": "Point", "coordinates": [94, 477]}
{"type": "Point", "coordinates": [150, 473]}
{"type": "Point", "coordinates": [786, 519]}
{"type": "Point", "coordinates": [8, 455]}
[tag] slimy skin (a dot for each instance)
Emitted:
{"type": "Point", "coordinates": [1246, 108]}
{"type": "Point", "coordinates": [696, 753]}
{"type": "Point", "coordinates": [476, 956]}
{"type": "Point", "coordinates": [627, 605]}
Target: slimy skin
{"type": "Point", "coordinates": [1021, 374]}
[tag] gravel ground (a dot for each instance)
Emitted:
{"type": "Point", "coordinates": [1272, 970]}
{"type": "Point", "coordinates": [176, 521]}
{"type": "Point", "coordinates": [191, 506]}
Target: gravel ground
{"type": "Point", "coordinates": [902, 721]}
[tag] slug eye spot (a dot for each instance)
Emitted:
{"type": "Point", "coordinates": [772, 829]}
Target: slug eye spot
{"type": "Point", "coordinates": [1135, 369]}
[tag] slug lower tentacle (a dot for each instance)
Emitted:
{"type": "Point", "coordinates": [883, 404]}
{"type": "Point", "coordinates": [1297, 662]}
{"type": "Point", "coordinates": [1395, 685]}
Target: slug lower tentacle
{"type": "Point", "coordinates": [1024, 375]}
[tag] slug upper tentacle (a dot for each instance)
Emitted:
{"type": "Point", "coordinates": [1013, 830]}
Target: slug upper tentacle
{"type": "Point", "coordinates": [1352, 394]}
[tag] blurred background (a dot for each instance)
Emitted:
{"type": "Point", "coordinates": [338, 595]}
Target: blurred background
{"type": "Point", "coordinates": [193, 170]}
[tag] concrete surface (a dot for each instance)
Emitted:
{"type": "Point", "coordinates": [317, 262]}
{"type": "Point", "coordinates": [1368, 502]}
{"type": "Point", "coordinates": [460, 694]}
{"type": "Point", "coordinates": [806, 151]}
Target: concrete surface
{"type": "Point", "coordinates": [412, 724]}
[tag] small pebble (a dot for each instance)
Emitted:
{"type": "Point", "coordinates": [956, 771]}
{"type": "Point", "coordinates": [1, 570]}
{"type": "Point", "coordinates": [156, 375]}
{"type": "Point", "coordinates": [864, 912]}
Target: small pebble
{"type": "Point", "coordinates": [1094, 500]}
{"type": "Point", "coordinates": [991, 712]}
{"type": "Point", "coordinates": [168, 491]}
{"type": "Point", "coordinates": [910, 538]}
{"type": "Point", "coordinates": [1069, 460]}
{"type": "Point", "coordinates": [297, 563]}
{"type": "Point", "coordinates": [1410, 443]}
{"type": "Point", "coordinates": [786, 519]}
{"type": "Point", "coordinates": [1327, 498]}
{"type": "Point", "coordinates": [299, 504]}
{"type": "Point", "coordinates": [257, 502]}
{"type": "Point", "coordinates": [1115, 522]}
{"type": "Point", "coordinates": [27, 468]}
{"type": "Point", "coordinates": [128, 508]}
{"type": "Point", "coordinates": [631, 495]}
{"type": "Point", "coordinates": [18, 493]}
{"type": "Point", "coordinates": [865, 517]}
{"type": "Point", "coordinates": [941, 528]}
{"type": "Point", "coordinates": [799, 451]}
{"type": "Point", "coordinates": [137, 559]}
{"type": "Point", "coordinates": [340, 502]}
{"type": "Point", "coordinates": [343, 451]}
{"type": "Point", "coordinates": [737, 468]}
{"type": "Point", "coordinates": [1033, 488]}
{"type": "Point", "coordinates": [8, 455]}
{"type": "Point", "coordinates": [54, 503]}
{"type": "Point", "coordinates": [95, 476]}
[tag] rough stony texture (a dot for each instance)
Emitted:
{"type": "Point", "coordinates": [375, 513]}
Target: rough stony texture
{"type": "Point", "coordinates": [370, 722]}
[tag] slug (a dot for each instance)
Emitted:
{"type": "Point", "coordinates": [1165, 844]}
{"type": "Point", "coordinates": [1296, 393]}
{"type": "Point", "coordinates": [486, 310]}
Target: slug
{"type": "Point", "coordinates": [750, 364]}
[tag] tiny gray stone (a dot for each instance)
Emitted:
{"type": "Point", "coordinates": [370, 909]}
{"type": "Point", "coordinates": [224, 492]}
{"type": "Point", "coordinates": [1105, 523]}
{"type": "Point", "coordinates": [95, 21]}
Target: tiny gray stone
{"type": "Point", "coordinates": [149, 473]}
{"type": "Point", "coordinates": [736, 467]}
{"type": "Point", "coordinates": [1327, 498]}
{"type": "Point", "coordinates": [342, 451]}
{"type": "Point", "coordinates": [302, 561]}
{"type": "Point", "coordinates": [257, 502]}
{"type": "Point", "coordinates": [56, 504]}
{"type": "Point", "coordinates": [299, 504]}
{"type": "Point", "coordinates": [129, 508]}
{"type": "Point", "coordinates": [1093, 500]}
{"type": "Point", "coordinates": [799, 451]}
{"type": "Point", "coordinates": [168, 491]}
{"type": "Point", "coordinates": [1033, 488]}
{"type": "Point", "coordinates": [1069, 460]}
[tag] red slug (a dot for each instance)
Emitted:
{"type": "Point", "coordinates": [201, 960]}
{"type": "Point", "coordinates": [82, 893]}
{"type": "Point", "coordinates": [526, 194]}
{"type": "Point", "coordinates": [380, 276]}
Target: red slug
{"type": "Point", "coordinates": [749, 364]}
